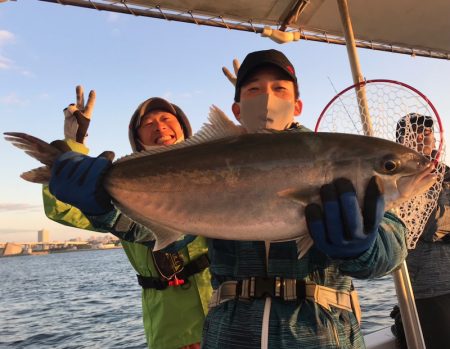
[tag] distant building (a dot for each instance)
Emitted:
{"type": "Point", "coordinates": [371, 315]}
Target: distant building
{"type": "Point", "coordinates": [12, 249]}
{"type": "Point", "coordinates": [43, 235]}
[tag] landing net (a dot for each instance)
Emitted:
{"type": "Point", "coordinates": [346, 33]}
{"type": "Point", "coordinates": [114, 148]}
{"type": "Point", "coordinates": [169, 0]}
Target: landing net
{"type": "Point", "coordinates": [396, 112]}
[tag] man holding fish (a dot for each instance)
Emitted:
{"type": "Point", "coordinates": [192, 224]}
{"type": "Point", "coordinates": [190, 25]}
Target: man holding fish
{"type": "Point", "coordinates": [291, 191]}
{"type": "Point", "coordinates": [175, 286]}
{"type": "Point", "coordinates": [307, 302]}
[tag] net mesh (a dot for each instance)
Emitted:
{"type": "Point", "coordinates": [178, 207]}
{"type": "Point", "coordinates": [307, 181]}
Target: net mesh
{"type": "Point", "coordinates": [401, 114]}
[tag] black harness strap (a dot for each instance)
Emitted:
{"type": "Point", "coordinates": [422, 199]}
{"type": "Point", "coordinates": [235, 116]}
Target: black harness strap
{"type": "Point", "coordinates": [152, 282]}
{"type": "Point", "coordinates": [192, 268]}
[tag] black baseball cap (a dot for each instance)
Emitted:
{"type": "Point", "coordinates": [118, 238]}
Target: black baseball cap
{"type": "Point", "coordinates": [415, 120]}
{"type": "Point", "coordinates": [262, 58]}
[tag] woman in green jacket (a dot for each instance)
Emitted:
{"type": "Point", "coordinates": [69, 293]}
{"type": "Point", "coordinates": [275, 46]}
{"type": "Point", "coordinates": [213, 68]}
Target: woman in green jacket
{"type": "Point", "coordinates": [175, 286]}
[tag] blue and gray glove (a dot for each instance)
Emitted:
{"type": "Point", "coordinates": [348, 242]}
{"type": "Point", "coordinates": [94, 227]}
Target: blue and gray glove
{"type": "Point", "coordinates": [340, 229]}
{"type": "Point", "coordinates": [77, 179]}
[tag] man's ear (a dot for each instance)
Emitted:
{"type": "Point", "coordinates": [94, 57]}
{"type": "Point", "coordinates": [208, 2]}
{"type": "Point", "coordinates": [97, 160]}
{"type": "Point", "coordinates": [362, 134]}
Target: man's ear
{"type": "Point", "coordinates": [298, 107]}
{"type": "Point", "coordinates": [236, 108]}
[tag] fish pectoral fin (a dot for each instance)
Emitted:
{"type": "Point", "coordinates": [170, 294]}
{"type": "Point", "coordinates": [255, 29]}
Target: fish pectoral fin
{"type": "Point", "coordinates": [302, 197]}
{"type": "Point", "coordinates": [164, 235]}
{"type": "Point", "coordinates": [304, 242]}
{"type": "Point", "coordinates": [38, 175]}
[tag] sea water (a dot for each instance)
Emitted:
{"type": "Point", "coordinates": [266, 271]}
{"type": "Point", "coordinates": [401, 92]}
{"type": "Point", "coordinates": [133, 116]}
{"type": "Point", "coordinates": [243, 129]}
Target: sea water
{"type": "Point", "coordinates": [91, 299]}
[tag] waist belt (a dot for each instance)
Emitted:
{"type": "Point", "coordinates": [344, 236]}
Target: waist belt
{"type": "Point", "coordinates": [192, 268]}
{"type": "Point", "coordinates": [288, 290]}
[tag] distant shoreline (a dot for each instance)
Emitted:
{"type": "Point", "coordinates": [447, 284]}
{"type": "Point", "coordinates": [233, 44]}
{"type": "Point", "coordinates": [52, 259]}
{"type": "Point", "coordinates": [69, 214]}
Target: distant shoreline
{"type": "Point", "coordinates": [41, 253]}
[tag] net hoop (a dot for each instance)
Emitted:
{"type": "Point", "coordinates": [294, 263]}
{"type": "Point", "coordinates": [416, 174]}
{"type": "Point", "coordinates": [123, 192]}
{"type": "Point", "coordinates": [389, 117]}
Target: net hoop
{"type": "Point", "coordinates": [387, 102]}
{"type": "Point", "coordinates": [366, 82]}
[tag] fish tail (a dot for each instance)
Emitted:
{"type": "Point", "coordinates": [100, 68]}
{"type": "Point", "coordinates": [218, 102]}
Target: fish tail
{"type": "Point", "coordinates": [38, 149]}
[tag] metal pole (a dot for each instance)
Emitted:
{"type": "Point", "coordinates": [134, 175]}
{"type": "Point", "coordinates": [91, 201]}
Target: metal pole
{"type": "Point", "coordinates": [408, 310]}
{"type": "Point", "coordinates": [356, 69]}
{"type": "Point", "coordinates": [405, 296]}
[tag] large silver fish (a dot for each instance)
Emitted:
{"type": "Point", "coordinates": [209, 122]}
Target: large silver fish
{"type": "Point", "coordinates": [228, 185]}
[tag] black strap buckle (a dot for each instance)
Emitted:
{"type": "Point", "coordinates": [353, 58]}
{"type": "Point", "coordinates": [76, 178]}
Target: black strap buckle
{"type": "Point", "coordinates": [300, 289]}
{"type": "Point", "coordinates": [274, 287]}
{"type": "Point", "coordinates": [263, 287]}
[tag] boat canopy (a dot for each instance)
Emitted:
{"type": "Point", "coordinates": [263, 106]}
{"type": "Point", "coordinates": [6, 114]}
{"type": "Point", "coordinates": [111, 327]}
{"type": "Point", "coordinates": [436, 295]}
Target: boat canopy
{"type": "Point", "coordinates": [413, 27]}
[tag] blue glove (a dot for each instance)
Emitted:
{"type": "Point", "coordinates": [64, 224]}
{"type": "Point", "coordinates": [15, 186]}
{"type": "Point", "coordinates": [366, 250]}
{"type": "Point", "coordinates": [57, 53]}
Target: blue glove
{"type": "Point", "coordinates": [77, 180]}
{"type": "Point", "coordinates": [340, 230]}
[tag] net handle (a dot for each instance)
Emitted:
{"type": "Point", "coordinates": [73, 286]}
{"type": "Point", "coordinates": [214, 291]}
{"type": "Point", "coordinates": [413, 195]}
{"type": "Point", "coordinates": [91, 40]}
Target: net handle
{"type": "Point", "coordinates": [365, 82]}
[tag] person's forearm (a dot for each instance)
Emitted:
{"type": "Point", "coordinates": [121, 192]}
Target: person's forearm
{"type": "Point", "coordinates": [61, 212]}
{"type": "Point", "coordinates": [126, 229]}
{"type": "Point", "coordinates": [123, 227]}
{"type": "Point", "coordinates": [388, 251]}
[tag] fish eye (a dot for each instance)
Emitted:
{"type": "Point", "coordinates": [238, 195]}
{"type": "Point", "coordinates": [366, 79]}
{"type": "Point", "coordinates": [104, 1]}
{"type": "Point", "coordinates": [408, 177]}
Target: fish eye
{"type": "Point", "coordinates": [390, 165]}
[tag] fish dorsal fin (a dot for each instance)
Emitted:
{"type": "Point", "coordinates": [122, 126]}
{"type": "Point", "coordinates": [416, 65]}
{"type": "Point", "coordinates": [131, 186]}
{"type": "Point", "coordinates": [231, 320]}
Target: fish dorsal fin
{"type": "Point", "coordinates": [218, 126]}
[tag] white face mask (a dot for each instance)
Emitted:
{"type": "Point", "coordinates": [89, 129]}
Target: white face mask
{"type": "Point", "coordinates": [151, 147]}
{"type": "Point", "coordinates": [266, 112]}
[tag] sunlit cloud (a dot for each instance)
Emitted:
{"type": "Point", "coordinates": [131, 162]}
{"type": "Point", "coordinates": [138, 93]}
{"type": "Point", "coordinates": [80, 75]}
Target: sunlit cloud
{"type": "Point", "coordinates": [182, 95]}
{"type": "Point", "coordinates": [6, 37]}
{"type": "Point", "coordinates": [44, 96]}
{"type": "Point", "coordinates": [13, 99]}
{"type": "Point", "coordinates": [167, 95]}
{"type": "Point", "coordinates": [27, 73]}
{"type": "Point", "coordinates": [8, 207]}
{"type": "Point", "coordinates": [112, 17]}
{"type": "Point", "coordinates": [5, 63]}
{"type": "Point", "coordinates": [116, 33]}
{"type": "Point", "coordinates": [11, 231]}
{"type": "Point", "coordinates": [192, 94]}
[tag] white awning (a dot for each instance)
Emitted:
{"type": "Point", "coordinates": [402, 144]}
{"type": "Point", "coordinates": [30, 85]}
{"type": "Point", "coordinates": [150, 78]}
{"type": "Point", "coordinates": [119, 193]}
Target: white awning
{"type": "Point", "coordinates": [414, 27]}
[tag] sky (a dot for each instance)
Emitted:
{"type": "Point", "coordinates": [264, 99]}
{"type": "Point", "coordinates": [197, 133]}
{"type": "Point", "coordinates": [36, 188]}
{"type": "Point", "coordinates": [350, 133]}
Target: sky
{"type": "Point", "coordinates": [47, 49]}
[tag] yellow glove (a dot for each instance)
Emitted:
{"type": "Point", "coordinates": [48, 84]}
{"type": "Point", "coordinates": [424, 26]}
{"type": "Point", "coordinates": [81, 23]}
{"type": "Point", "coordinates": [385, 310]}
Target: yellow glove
{"type": "Point", "coordinates": [78, 116]}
